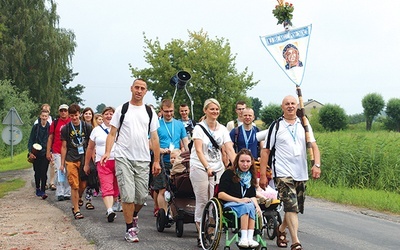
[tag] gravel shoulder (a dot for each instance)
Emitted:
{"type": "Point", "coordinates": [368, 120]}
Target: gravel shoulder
{"type": "Point", "coordinates": [28, 222]}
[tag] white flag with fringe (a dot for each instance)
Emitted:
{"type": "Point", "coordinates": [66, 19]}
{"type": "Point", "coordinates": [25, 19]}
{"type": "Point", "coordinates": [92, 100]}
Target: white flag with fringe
{"type": "Point", "coordinates": [289, 49]}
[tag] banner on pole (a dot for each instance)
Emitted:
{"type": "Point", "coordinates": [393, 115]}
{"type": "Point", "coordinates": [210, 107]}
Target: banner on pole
{"type": "Point", "coordinates": [289, 49]}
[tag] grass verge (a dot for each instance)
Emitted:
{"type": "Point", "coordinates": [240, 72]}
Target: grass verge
{"type": "Point", "coordinates": [10, 185]}
{"type": "Point", "coordinates": [18, 162]}
{"type": "Point", "coordinates": [372, 199]}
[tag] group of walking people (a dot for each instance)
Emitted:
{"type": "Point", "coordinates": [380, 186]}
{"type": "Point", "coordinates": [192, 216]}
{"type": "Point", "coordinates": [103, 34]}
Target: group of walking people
{"type": "Point", "coordinates": [120, 147]}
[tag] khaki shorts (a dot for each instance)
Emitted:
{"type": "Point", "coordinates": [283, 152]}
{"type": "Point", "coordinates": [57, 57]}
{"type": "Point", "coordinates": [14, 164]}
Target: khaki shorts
{"type": "Point", "coordinates": [292, 193]}
{"type": "Point", "coordinates": [73, 175]}
{"type": "Point", "coordinates": [133, 180]}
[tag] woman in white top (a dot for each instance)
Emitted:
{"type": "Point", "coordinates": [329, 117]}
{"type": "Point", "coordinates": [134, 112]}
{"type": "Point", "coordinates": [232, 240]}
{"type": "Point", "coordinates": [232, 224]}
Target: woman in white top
{"type": "Point", "coordinates": [106, 172]}
{"type": "Point", "coordinates": [206, 166]}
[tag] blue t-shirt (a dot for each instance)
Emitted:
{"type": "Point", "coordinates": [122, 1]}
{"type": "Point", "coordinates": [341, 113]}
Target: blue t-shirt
{"type": "Point", "coordinates": [249, 137]}
{"type": "Point", "coordinates": [172, 131]}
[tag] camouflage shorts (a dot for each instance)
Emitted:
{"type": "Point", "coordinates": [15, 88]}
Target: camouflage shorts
{"type": "Point", "coordinates": [292, 193]}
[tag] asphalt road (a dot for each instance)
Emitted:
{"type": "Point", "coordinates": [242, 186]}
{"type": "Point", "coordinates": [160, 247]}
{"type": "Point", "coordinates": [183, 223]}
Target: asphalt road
{"type": "Point", "coordinates": [324, 225]}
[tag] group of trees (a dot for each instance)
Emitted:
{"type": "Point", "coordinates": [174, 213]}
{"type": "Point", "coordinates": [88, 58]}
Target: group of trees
{"type": "Point", "coordinates": [36, 53]}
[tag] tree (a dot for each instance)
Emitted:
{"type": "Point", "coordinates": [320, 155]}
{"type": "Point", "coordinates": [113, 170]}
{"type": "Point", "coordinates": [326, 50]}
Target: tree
{"type": "Point", "coordinates": [356, 118]}
{"type": "Point", "coordinates": [212, 68]}
{"type": "Point", "coordinates": [393, 112]}
{"type": "Point", "coordinates": [270, 113]}
{"type": "Point", "coordinates": [373, 104]}
{"type": "Point", "coordinates": [35, 52]}
{"type": "Point", "coordinates": [100, 108]}
{"type": "Point", "coordinates": [27, 110]}
{"type": "Point", "coordinates": [332, 117]}
{"type": "Point", "coordinates": [257, 105]}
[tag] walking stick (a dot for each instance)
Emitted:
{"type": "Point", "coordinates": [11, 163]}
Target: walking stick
{"type": "Point", "coordinates": [302, 115]}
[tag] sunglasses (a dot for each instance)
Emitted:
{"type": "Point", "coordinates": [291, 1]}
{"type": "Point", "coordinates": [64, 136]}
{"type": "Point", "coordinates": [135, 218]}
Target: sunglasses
{"type": "Point", "coordinates": [63, 110]}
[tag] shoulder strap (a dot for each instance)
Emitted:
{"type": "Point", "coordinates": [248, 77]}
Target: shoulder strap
{"type": "Point", "coordinates": [150, 113]}
{"type": "Point", "coordinates": [271, 159]}
{"type": "Point", "coordinates": [214, 143]}
{"type": "Point", "coordinates": [235, 144]}
{"type": "Point", "coordinates": [122, 117]}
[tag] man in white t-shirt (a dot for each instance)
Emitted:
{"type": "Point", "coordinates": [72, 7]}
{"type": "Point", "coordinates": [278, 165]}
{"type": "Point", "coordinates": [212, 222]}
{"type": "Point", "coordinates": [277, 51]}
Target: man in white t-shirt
{"type": "Point", "coordinates": [132, 155]}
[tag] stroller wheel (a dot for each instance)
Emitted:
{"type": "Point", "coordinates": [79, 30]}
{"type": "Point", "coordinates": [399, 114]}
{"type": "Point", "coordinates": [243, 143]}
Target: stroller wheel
{"type": "Point", "coordinates": [160, 222]}
{"type": "Point", "coordinates": [179, 228]}
{"type": "Point", "coordinates": [270, 223]}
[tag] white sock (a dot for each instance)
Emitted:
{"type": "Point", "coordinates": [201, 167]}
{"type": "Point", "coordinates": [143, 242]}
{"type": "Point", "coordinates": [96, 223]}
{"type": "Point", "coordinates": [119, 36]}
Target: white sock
{"type": "Point", "coordinates": [243, 234]}
{"type": "Point", "coordinates": [250, 234]}
{"type": "Point", "coordinates": [109, 210]}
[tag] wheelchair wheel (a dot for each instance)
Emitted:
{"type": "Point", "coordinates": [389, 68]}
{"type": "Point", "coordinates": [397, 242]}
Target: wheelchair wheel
{"type": "Point", "coordinates": [161, 218]}
{"type": "Point", "coordinates": [179, 228]}
{"type": "Point", "coordinates": [270, 223]}
{"type": "Point", "coordinates": [211, 224]}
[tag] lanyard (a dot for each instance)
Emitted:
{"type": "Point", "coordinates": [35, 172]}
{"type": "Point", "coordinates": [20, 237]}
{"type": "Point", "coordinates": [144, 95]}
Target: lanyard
{"type": "Point", "coordinates": [243, 190]}
{"type": "Point", "coordinates": [246, 140]}
{"type": "Point", "coordinates": [171, 135]}
{"type": "Point", "coordinates": [105, 129]}
{"type": "Point", "coordinates": [293, 132]}
{"type": "Point", "coordinates": [78, 137]}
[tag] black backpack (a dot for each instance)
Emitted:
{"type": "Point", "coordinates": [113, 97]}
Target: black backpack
{"type": "Point", "coordinates": [123, 112]}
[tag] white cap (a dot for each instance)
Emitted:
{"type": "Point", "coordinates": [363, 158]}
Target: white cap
{"type": "Point", "coordinates": [63, 106]}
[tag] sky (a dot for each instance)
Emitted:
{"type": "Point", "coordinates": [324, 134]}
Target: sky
{"type": "Point", "coordinates": [351, 50]}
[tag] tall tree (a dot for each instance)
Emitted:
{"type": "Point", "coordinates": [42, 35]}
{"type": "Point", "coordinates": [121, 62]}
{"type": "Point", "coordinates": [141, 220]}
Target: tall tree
{"type": "Point", "coordinates": [257, 105]}
{"type": "Point", "coordinates": [333, 117]}
{"type": "Point", "coordinates": [270, 113]}
{"type": "Point", "coordinates": [212, 68]}
{"type": "Point", "coordinates": [373, 104]}
{"type": "Point", "coordinates": [393, 112]}
{"type": "Point", "coordinates": [36, 52]}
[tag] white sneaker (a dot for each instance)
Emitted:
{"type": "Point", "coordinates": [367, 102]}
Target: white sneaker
{"type": "Point", "coordinates": [253, 243]}
{"type": "Point", "coordinates": [111, 216]}
{"type": "Point", "coordinates": [131, 236]}
{"type": "Point", "coordinates": [243, 243]}
{"type": "Point", "coordinates": [135, 224]}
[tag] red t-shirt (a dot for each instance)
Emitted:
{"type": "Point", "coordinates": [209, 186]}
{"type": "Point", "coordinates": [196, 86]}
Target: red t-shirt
{"type": "Point", "coordinates": [56, 147]}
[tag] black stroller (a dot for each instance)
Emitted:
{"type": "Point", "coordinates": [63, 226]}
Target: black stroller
{"type": "Point", "coordinates": [181, 204]}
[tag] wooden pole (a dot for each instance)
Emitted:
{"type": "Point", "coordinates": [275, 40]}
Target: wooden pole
{"type": "Point", "coordinates": [302, 115]}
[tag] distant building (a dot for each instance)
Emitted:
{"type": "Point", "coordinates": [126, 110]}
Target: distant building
{"type": "Point", "coordinates": [310, 105]}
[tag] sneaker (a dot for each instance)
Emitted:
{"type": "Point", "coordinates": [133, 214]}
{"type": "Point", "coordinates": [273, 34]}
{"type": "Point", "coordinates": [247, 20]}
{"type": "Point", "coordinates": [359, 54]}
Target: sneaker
{"type": "Point", "coordinates": [67, 198]}
{"type": "Point", "coordinates": [253, 243]}
{"type": "Point", "coordinates": [131, 236]}
{"type": "Point", "coordinates": [116, 207]}
{"type": "Point", "coordinates": [243, 243]}
{"type": "Point", "coordinates": [38, 192]}
{"type": "Point", "coordinates": [60, 198]}
{"type": "Point", "coordinates": [111, 216]}
{"type": "Point", "coordinates": [135, 223]}
{"type": "Point", "coordinates": [44, 196]}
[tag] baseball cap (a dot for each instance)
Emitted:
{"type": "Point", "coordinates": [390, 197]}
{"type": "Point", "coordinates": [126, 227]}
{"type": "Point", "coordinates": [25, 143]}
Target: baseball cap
{"type": "Point", "coordinates": [63, 106]}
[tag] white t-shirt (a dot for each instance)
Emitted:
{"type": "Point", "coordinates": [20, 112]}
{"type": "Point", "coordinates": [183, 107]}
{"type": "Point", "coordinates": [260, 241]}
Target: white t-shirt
{"type": "Point", "coordinates": [133, 139]}
{"type": "Point", "coordinates": [213, 156]}
{"type": "Point", "coordinates": [99, 136]}
{"type": "Point", "coordinates": [290, 154]}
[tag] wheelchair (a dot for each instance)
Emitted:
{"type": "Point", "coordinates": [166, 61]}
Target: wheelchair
{"type": "Point", "coordinates": [217, 220]}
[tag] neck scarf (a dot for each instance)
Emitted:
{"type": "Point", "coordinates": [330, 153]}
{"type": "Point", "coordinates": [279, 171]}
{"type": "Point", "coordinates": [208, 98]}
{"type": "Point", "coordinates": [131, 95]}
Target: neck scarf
{"type": "Point", "coordinates": [245, 178]}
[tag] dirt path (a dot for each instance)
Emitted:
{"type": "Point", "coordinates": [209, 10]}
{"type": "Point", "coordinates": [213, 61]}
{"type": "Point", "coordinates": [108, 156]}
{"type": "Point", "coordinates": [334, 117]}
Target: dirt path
{"type": "Point", "coordinates": [28, 222]}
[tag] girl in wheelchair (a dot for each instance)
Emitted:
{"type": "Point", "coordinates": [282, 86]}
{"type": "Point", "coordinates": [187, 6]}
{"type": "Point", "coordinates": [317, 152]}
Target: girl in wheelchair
{"type": "Point", "coordinates": [237, 190]}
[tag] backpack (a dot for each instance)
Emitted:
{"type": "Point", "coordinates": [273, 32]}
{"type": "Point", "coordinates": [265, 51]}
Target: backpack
{"type": "Point", "coordinates": [123, 112]}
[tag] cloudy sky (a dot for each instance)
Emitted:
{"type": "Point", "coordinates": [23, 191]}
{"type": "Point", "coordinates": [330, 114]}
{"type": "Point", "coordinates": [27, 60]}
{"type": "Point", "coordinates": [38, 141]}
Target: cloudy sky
{"type": "Point", "coordinates": [353, 46]}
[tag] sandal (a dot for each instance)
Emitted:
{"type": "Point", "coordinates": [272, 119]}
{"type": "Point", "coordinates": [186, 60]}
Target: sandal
{"type": "Point", "coordinates": [296, 246]}
{"type": "Point", "coordinates": [281, 240]}
{"type": "Point", "coordinates": [155, 212]}
{"type": "Point", "coordinates": [53, 187]}
{"type": "Point", "coordinates": [80, 202]}
{"type": "Point", "coordinates": [89, 206]}
{"type": "Point", "coordinates": [78, 215]}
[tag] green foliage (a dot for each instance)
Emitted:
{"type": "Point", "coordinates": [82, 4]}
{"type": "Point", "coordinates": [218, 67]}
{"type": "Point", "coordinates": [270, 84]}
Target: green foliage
{"type": "Point", "coordinates": [270, 113]}
{"type": "Point", "coordinates": [360, 159]}
{"type": "Point", "coordinates": [332, 117]}
{"type": "Point", "coordinates": [100, 108]}
{"type": "Point", "coordinates": [11, 185]}
{"type": "Point", "coordinates": [314, 121]}
{"type": "Point", "coordinates": [11, 97]}
{"type": "Point", "coordinates": [19, 161]}
{"type": "Point", "coordinates": [283, 12]}
{"type": "Point", "coordinates": [393, 113]}
{"type": "Point", "coordinates": [356, 118]}
{"type": "Point", "coordinates": [257, 105]}
{"type": "Point", "coordinates": [373, 104]}
{"type": "Point", "coordinates": [211, 65]}
{"type": "Point", "coordinates": [35, 52]}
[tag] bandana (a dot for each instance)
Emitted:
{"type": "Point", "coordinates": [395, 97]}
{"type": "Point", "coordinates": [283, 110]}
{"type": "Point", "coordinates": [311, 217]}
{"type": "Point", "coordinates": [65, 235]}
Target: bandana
{"type": "Point", "coordinates": [245, 178]}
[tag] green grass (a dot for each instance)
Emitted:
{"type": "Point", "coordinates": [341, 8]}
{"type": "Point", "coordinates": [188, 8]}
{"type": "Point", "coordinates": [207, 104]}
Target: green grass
{"type": "Point", "coordinates": [10, 185]}
{"type": "Point", "coordinates": [377, 200]}
{"type": "Point", "coordinates": [18, 162]}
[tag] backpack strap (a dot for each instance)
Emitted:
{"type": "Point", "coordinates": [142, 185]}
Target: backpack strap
{"type": "Point", "coordinates": [235, 144]}
{"type": "Point", "coordinates": [123, 112]}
